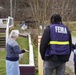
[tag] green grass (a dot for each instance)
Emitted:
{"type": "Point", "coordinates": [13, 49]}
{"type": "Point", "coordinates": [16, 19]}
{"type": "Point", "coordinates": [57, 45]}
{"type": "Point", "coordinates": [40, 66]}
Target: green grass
{"type": "Point", "coordinates": [35, 48]}
{"type": "Point", "coordinates": [17, 27]}
{"type": "Point", "coordinates": [23, 43]}
{"type": "Point", "coordinates": [73, 34]}
{"type": "Point", "coordinates": [2, 62]}
{"type": "Point", "coordinates": [2, 34]}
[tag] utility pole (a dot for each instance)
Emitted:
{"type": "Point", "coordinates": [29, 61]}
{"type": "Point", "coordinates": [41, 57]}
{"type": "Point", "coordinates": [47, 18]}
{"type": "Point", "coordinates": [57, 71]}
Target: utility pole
{"type": "Point", "coordinates": [11, 8]}
{"type": "Point", "coordinates": [14, 9]}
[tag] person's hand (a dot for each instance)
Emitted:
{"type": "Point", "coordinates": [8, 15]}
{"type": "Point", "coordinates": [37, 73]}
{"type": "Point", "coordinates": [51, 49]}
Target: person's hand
{"type": "Point", "coordinates": [26, 50]}
{"type": "Point", "coordinates": [74, 51]}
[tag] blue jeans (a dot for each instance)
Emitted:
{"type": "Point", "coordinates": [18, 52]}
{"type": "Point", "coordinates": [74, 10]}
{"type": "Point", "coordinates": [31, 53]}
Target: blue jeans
{"type": "Point", "coordinates": [50, 66]}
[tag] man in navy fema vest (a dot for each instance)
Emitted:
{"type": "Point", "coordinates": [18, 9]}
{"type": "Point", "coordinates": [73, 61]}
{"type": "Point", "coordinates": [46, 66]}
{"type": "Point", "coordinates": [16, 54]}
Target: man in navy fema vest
{"type": "Point", "coordinates": [55, 46]}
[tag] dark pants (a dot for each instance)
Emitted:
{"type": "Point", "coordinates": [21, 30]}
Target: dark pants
{"type": "Point", "coordinates": [75, 67]}
{"type": "Point", "coordinates": [50, 66]}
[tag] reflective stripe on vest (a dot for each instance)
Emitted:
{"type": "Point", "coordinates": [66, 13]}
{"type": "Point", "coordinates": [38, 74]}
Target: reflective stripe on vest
{"type": "Point", "coordinates": [59, 42]}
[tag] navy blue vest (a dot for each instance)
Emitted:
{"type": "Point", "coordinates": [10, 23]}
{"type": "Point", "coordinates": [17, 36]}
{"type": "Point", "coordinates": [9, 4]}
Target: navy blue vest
{"type": "Point", "coordinates": [59, 40]}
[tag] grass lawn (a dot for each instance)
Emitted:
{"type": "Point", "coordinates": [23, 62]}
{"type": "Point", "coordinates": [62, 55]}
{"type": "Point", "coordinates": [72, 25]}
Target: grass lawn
{"type": "Point", "coordinates": [73, 34]}
{"type": "Point", "coordinates": [2, 62]}
{"type": "Point", "coordinates": [23, 43]}
{"type": "Point", "coordinates": [35, 48]}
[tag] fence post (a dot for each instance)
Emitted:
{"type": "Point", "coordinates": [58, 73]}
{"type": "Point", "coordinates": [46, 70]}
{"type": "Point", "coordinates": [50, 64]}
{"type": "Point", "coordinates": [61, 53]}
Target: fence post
{"type": "Point", "coordinates": [7, 29]}
{"type": "Point", "coordinates": [40, 61]}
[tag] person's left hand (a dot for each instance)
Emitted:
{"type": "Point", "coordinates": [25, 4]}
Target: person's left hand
{"type": "Point", "coordinates": [26, 50]}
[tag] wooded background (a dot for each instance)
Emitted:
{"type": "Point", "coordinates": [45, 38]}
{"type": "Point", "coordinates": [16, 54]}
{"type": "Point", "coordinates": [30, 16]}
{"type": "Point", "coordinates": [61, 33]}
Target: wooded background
{"type": "Point", "coordinates": [38, 9]}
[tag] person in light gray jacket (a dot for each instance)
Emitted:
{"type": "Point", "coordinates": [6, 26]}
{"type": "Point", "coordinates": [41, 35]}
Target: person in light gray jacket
{"type": "Point", "coordinates": [12, 54]}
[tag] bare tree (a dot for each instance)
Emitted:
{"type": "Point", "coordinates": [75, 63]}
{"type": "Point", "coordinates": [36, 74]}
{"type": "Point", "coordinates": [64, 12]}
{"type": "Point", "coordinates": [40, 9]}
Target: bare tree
{"type": "Point", "coordinates": [39, 8]}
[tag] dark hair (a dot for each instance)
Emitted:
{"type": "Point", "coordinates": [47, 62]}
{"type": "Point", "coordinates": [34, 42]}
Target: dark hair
{"type": "Point", "coordinates": [56, 18]}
